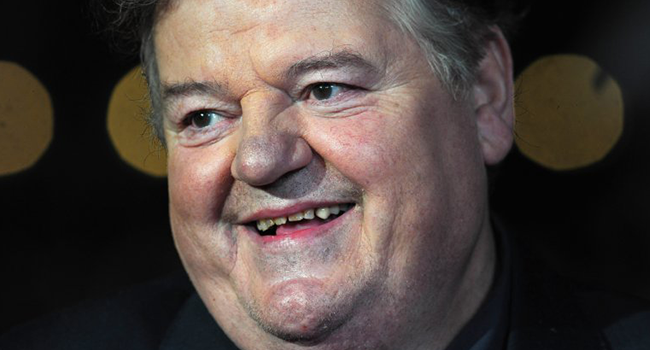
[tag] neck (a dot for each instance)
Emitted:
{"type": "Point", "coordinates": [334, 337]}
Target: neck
{"type": "Point", "coordinates": [474, 288]}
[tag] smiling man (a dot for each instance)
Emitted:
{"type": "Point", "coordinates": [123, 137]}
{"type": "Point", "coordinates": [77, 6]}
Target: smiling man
{"type": "Point", "coordinates": [328, 187]}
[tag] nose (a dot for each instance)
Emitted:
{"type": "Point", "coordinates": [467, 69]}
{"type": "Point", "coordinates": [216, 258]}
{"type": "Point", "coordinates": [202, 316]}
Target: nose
{"type": "Point", "coordinates": [271, 144]}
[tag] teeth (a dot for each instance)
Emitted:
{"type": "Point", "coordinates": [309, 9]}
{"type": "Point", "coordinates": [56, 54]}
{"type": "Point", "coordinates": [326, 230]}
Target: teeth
{"type": "Point", "coordinates": [308, 214]}
{"type": "Point", "coordinates": [264, 225]}
{"type": "Point", "coordinates": [295, 217]}
{"type": "Point", "coordinates": [323, 213]}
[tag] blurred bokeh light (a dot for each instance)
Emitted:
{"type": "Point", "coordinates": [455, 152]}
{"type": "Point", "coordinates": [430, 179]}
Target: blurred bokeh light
{"type": "Point", "coordinates": [569, 112]}
{"type": "Point", "coordinates": [26, 118]}
{"type": "Point", "coordinates": [128, 129]}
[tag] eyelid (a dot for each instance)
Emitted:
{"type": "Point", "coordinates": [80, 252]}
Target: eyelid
{"type": "Point", "coordinates": [222, 117]}
{"type": "Point", "coordinates": [192, 136]}
{"type": "Point", "coordinates": [182, 107]}
{"type": "Point", "coordinates": [186, 120]}
{"type": "Point", "coordinates": [345, 87]}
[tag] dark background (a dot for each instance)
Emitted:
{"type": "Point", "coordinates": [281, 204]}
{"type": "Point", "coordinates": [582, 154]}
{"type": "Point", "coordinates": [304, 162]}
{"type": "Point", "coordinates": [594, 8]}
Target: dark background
{"type": "Point", "coordinates": [81, 223]}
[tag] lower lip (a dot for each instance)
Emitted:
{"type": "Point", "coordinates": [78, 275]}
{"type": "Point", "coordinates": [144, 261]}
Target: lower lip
{"type": "Point", "coordinates": [306, 233]}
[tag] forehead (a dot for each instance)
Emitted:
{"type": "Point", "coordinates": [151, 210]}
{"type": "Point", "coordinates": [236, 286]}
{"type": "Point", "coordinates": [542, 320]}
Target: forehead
{"type": "Point", "coordinates": [254, 33]}
{"type": "Point", "coordinates": [241, 14]}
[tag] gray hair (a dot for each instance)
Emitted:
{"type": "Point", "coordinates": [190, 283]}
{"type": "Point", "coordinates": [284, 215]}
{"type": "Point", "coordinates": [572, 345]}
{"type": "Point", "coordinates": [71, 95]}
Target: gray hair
{"type": "Point", "coordinates": [451, 33]}
{"type": "Point", "coordinates": [450, 36]}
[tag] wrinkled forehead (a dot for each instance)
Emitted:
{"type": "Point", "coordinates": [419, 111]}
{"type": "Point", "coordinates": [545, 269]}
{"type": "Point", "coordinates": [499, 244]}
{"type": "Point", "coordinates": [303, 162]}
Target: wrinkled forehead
{"type": "Point", "coordinates": [245, 13]}
{"type": "Point", "coordinates": [233, 12]}
{"type": "Point", "coordinates": [231, 32]}
{"type": "Point", "coordinates": [226, 19]}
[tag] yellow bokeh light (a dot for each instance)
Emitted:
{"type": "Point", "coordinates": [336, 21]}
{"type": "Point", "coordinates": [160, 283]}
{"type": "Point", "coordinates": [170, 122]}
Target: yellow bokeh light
{"type": "Point", "coordinates": [569, 112]}
{"type": "Point", "coordinates": [128, 129]}
{"type": "Point", "coordinates": [26, 119]}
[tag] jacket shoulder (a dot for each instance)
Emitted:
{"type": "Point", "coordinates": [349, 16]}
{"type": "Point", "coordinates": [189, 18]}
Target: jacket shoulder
{"type": "Point", "coordinates": [136, 318]}
{"type": "Point", "coordinates": [623, 320]}
{"type": "Point", "coordinates": [551, 311]}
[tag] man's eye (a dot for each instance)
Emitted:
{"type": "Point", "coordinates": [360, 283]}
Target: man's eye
{"type": "Point", "coordinates": [326, 91]}
{"type": "Point", "coordinates": [202, 119]}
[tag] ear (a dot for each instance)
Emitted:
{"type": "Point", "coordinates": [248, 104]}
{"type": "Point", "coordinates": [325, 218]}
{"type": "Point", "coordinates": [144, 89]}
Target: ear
{"type": "Point", "coordinates": [493, 95]}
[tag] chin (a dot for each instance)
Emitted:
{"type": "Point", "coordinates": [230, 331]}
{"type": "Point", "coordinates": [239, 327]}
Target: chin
{"type": "Point", "coordinates": [303, 311]}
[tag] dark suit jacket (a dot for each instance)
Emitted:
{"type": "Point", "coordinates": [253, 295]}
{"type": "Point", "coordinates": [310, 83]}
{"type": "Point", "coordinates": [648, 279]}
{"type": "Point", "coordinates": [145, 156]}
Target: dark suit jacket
{"type": "Point", "coordinates": [546, 313]}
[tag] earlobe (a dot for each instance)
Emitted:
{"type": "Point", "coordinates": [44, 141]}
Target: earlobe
{"type": "Point", "coordinates": [493, 99]}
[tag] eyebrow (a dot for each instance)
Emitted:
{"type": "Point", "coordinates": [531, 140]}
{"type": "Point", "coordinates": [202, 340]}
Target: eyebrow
{"type": "Point", "coordinates": [341, 59]}
{"type": "Point", "coordinates": [190, 88]}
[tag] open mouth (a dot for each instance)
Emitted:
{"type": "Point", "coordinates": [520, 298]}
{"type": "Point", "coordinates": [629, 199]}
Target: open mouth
{"type": "Point", "coordinates": [302, 220]}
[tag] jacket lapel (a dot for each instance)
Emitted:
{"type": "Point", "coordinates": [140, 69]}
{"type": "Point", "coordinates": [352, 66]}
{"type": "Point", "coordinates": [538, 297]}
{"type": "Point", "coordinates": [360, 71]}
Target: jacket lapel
{"type": "Point", "coordinates": [545, 314]}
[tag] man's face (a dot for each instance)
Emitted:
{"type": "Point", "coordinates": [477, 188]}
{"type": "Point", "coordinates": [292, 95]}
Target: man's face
{"type": "Point", "coordinates": [276, 110]}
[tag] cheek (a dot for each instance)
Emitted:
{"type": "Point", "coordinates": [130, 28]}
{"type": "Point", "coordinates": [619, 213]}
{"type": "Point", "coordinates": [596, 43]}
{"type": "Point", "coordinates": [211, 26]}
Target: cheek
{"type": "Point", "coordinates": [416, 168]}
{"type": "Point", "coordinates": [378, 152]}
{"type": "Point", "coordinates": [351, 146]}
{"type": "Point", "coordinates": [199, 181]}
{"type": "Point", "coordinates": [372, 149]}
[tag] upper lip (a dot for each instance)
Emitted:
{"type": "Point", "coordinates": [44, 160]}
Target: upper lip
{"type": "Point", "coordinates": [269, 213]}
